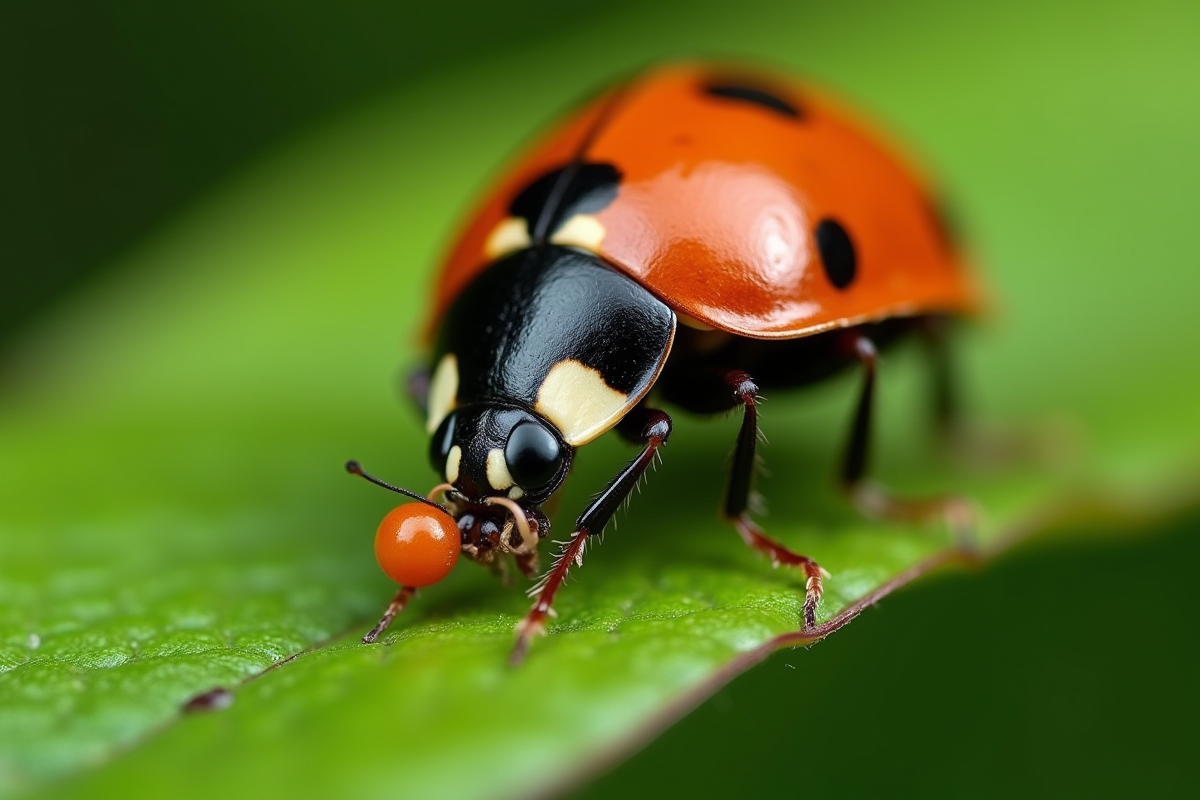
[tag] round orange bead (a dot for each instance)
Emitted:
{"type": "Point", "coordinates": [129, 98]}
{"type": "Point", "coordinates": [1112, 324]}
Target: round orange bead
{"type": "Point", "coordinates": [417, 545]}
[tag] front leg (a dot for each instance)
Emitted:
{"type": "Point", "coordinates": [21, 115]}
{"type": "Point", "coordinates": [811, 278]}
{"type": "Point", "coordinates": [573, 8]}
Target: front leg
{"type": "Point", "coordinates": [737, 499]}
{"type": "Point", "coordinates": [655, 430]}
{"type": "Point", "coordinates": [398, 604]}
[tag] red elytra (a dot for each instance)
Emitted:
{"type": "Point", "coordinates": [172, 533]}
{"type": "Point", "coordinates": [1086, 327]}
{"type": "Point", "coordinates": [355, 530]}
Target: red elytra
{"type": "Point", "coordinates": [717, 204]}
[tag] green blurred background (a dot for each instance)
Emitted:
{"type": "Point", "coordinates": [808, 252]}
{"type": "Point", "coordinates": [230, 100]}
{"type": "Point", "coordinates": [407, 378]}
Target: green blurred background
{"type": "Point", "coordinates": [118, 115]}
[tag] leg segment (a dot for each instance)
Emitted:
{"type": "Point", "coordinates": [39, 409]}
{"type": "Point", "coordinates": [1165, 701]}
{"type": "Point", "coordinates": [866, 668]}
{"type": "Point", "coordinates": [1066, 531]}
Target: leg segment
{"type": "Point", "coordinates": [737, 499]}
{"type": "Point", "coordinates": [395, 607]}
{"type": "Point", "coordinates": [972, 446]}
{"type": "Point", "coordinates": [872, 499]}
{"type": "Point", "coordinates": [655, 430]}
{"type": "Point", "coordinates": [854, 465]}
{"type": "Point", "coordinates": [745, 392]}
{"type": "Point", "coordinates": [946, 402]}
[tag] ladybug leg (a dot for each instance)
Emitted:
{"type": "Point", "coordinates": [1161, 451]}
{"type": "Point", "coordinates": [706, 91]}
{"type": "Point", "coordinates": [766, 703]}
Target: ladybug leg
{"type": "Point", "coordinates": [738, 497]}
{"type": "Point", "coordinates": [395, 607]}
{"type": "Point", "coordinates": [871, 498]}
{"type": "Point", "coordinates": [946, 405]}
{"type": "Point", "coordinates": [655, 430]}
{"type": "Point", "coordinates": [964, 440]}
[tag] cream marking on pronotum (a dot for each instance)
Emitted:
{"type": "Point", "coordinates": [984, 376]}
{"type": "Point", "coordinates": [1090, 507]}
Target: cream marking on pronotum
{"type": "Point", "coordinates": [443, 391]}
{"type": "Point", "coordinates": [453, 459]}
{"type": "Point", "coordinates": [510, 235]}
{"type": "Point", "coordinates": [497, 470]}
{"type": "Point", "coordinates": [578, 401]}
{"type": "Point", "coordinates": [581, 230]}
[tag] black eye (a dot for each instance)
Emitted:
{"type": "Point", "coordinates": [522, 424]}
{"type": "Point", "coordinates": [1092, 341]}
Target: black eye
{"type": "Point", "coordinates": [533, 455]}
{"type": "Point", "coordinates": [440, 444]}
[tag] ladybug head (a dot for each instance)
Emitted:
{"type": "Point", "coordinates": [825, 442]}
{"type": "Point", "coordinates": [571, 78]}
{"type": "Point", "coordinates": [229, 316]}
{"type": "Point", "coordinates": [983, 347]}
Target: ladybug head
{"type": "Point", "coordinates": [501, 463]}
{"type": "Point", "coordinates": [544, 351]}
{"type": "Point", "coordinates": [495, 450]}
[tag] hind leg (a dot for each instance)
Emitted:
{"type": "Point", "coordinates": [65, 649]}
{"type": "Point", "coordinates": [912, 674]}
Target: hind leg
{"type": "Point", "coordinates": [871, 498]}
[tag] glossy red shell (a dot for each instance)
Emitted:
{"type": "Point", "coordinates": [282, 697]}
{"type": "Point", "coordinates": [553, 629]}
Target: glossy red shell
{"type": "Point", "coordinates": [719, 200]}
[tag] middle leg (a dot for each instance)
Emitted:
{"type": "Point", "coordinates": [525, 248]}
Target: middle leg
{"type": "Point", "coordinates": [737, 498]}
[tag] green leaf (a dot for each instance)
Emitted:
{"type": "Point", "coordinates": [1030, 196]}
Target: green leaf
{"type": "Point", "coordinates": [175, 516]}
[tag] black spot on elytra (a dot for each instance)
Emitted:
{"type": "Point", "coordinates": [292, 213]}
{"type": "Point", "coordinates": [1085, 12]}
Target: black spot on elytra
{"type": "Point", "coordinates": [552, 199]}
{"type": "Point", "coordinates": [733, 90]}
{"type": "Point", "coordinates": [837, 253]}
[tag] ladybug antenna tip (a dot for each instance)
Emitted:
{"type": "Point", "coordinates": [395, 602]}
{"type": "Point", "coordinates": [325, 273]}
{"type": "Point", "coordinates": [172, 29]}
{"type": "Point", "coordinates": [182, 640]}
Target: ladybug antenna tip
{"type": "Point", "coordinates": [354, 468]}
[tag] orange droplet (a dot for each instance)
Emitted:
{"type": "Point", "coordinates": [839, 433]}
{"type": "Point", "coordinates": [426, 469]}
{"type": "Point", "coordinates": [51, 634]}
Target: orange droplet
{"type": "Point", "coordinates": [417, 545]}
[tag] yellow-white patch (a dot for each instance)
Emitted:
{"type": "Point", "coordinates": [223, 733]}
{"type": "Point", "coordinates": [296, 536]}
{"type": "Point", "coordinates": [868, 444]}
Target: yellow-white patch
{"type": "Point", "coordinates": [581, 230]}
{"type": "Point", "coordinates": [453, 460]}
{"type": "Point", "coordinates": [443, 391]}
{"type": "Point", "coordinates": [579, 403]}
{"type": "Point", "coordinates": [497, 470]}
{"type": "Point", "coordinates": [508, 236]}
{"type": "Point", "coordinates": [692, 322]}
{"type": "Point", "coordinates": [516, 493]}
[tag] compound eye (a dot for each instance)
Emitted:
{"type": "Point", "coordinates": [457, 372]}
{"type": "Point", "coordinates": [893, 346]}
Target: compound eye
{"type": "Point", "coordinates": [440, 444]}
{"type": "Point", "coordinates": [533, 455]}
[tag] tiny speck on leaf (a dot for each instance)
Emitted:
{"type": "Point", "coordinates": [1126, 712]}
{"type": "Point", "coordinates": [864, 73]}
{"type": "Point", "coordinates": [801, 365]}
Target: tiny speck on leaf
{"type": "Point", "coordinates": [217, 699]}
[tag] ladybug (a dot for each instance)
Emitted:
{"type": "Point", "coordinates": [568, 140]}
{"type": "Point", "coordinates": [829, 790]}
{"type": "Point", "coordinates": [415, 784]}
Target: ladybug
{"type": "Point", "coordinates": [693, 237]}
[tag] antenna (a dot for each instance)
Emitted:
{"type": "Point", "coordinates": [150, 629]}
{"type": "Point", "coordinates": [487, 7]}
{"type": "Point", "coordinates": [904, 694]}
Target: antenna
{"type": "Point", "coordinates": [354, 468]}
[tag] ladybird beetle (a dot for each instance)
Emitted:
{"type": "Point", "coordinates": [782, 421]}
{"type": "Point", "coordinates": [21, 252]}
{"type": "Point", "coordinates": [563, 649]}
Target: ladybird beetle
{"type": "Point", "coordinates": [693, 237]}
